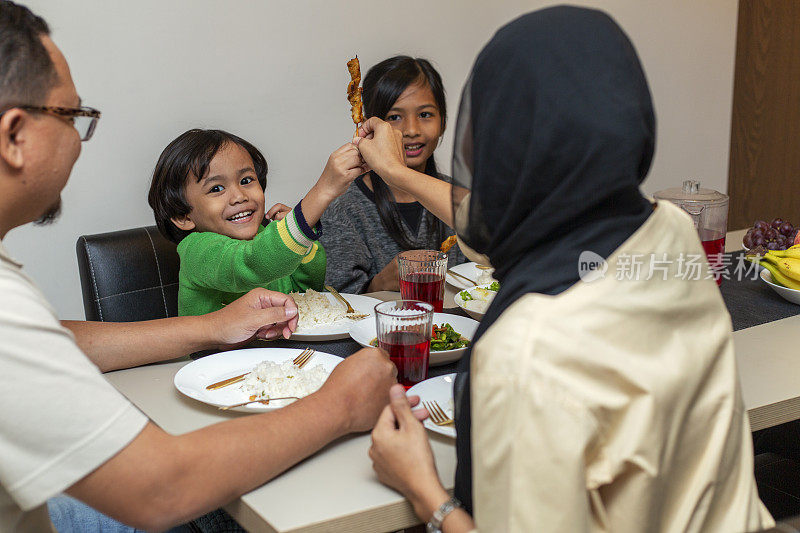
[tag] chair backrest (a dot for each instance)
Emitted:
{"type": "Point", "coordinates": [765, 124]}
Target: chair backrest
{"type": "Point", "coordinates": [128, 275]}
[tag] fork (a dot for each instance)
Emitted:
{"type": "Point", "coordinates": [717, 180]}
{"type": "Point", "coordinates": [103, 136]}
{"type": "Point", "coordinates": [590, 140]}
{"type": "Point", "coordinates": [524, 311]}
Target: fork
{"type": "Point", "coordinates": [350, 311]}
{"type": "Point", "coordinates": [304, 357]}
{"type": "Point", "coordinates": [265, 401]}
{"type": "Point", "coordinates": [298, 361]}
{"type": "Point", "coordinates": [438, 415]}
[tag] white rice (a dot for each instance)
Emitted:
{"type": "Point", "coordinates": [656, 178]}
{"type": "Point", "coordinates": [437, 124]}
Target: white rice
{"type": "Point", "coordinates": [314, 309]}
{"type": "Point", "coordinates": [278, 380]}
{"type": "Point", "coordinates": [483, 297]}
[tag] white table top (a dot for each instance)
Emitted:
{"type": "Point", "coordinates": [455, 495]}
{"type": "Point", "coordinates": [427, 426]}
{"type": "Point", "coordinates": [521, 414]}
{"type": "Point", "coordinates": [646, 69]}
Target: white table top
{"type": "Point", "coordinates": [336, 489]}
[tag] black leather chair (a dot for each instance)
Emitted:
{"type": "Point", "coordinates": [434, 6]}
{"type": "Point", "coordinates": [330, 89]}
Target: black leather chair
{"type": "Point", "coordinates": [128, 275]}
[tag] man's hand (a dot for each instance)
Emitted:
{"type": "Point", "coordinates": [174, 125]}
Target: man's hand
{"type": "Point", "coordinates": [381, 146]}
{"type": "Point", "coordinates": [388, 279]}
{"type": "Point", "coordinates": [259, 313]}
{"type": "Point", "coordinates": [360, 386]}
{"type": "Point", "coordinates": [278, 212]}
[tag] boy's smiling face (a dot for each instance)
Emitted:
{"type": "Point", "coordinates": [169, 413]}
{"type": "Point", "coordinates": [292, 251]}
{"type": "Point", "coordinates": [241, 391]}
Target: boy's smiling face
{"type": "Point", "coordinates": [228, 200]}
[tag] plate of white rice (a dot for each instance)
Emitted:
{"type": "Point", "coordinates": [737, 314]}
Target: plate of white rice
{"type": "Point", "coordinates": [322, 317]}
{"type": "Point", "coordinates": [272, 375]}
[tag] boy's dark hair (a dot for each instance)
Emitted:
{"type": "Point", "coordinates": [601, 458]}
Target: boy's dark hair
{"type": "Point", "coordinates": [26, 71]}
{"type": "Point", "coordinates": [383, 85]}
{"type": "Point", "coordinates": [190, 153]}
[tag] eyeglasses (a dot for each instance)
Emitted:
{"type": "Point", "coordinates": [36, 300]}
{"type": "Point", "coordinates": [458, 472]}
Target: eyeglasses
{"type": "Point", "coordinates": [83, 118]}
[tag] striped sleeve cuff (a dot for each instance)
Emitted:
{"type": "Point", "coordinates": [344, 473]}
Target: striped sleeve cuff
{"type": "Point", "coordinates": [292, 235]}
{"type": "Point", "coordinates": [312, 233]}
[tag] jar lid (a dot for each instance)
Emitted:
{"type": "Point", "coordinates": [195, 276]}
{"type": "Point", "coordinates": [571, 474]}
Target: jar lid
{"type": "Point", "coordinates": [691, 192]}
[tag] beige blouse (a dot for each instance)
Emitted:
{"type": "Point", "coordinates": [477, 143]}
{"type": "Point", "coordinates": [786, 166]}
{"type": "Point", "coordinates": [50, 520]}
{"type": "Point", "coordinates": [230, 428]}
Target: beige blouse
{"type": "Point", "coordinates": [615, 406]}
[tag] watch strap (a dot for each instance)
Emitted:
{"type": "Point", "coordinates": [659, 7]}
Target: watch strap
{"type": "Point", "coordinates": [434, 525]}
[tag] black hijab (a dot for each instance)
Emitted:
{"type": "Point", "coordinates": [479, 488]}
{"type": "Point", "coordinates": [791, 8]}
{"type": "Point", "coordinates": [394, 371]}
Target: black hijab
{"type": "Point", "coordinates": [555, 133]}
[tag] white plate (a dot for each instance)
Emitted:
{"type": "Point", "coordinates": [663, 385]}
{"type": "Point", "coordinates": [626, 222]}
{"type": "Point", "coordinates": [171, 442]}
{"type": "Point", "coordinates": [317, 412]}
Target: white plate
{"type": "Point", "coordinates": [364, 332]}
{"type": "Point", "coordinates": [193, 378]}
{"type": "Point", "coordinates": [459, 302]}
{"type": "Point", "coordinates": [440, 390]}
{"type": "Point", "coordinates": [790, 295]}
{"type": "Point", "coordinates": [469, 270]}
{"type": "Point", "coordinates": [340, 329]}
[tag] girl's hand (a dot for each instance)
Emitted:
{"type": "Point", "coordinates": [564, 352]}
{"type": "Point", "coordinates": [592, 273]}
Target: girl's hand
{"type": "Point", "coordinates": [344, 165]}
{"type": "Point", "coordinates": [381, 146]}
{"type": "Point", "coordinates": [387, 279]}
{"type": "Point", "coordinates": [278, 212]}
{"type": "Point", "coordinates": [401, 455]}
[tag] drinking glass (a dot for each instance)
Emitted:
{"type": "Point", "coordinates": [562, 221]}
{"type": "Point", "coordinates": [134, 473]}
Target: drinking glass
{"type": "Point", "coordinates": [404, 331]}
{"type": "Point", "coordinates": [422, 274]}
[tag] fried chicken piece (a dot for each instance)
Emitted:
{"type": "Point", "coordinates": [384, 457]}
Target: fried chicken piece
{"type": "Point", "coordinates": [448, 243]}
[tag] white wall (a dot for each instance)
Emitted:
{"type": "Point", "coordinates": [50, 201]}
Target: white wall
{"type": "Point", "coordinates": [274, 73]}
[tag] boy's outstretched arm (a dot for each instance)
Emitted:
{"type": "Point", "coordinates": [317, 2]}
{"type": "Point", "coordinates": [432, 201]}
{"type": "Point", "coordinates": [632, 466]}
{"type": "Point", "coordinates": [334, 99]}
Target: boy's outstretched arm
{"type": "Point", "coordinates": [115, 345]}
{"type": "Point", "coordinates": [344, 165]}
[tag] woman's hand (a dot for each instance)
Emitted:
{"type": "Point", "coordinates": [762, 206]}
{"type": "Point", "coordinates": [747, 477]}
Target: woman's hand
{"type": "Point", "coordinates": [402, 456]}
{"type": "Point", "coordinates": [278, 212]}
{"type": "Point", "coordinates": [381, 146]}
{"type": "Point", "coordinates": [259, 314]}
{"type": "Point", "coordinates": [387, 279]}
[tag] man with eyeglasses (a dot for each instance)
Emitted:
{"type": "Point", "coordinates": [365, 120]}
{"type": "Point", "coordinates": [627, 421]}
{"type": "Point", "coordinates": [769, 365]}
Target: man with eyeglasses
{"type": "Point", "coordinates": [63, 428]}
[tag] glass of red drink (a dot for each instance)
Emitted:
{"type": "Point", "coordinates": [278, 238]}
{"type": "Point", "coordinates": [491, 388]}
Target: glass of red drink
{"type": "Point", "coordinates": [422, 274]}
{"type": "Point", "coordinates": [404, 331]}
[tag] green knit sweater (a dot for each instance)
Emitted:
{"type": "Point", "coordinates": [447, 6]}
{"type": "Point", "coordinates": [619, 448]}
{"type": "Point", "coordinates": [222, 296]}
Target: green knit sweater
{"type": "Point", "coordinates": [216, 270]}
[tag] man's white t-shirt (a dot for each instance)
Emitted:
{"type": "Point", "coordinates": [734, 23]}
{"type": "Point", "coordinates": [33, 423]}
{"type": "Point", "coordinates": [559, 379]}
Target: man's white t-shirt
{"type": "Point", "coordinates": [59, 418]}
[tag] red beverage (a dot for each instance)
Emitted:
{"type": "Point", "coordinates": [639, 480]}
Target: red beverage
{"type": "Point", "coordinates": [426, 287]}
{"type": "Point", "coordinates": [409, 352]}
{"type": "Point", "coordinates": [714, 249]}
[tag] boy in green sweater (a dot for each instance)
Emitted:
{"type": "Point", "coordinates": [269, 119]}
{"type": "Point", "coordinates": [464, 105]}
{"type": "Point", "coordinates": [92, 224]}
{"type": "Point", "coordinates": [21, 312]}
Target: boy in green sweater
{"type": "Point", "coordinates": [207, 195]}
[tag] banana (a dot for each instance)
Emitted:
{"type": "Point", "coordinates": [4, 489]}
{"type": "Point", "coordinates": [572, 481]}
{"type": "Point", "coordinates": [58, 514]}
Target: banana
{"type": "Point", "coordinates": [790, 267]}
{"type": "Point", "coordinates": [793, 252]}
{"type": "Point", "coordinates": [779, 278]}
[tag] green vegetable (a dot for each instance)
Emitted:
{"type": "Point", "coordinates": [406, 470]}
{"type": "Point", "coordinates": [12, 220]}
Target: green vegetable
{"type": "Point", "coordinates": [446, 338]}
{"type": "Point", "coordinates": [495, 286]}
{"type": "Point", "coordinates": [466, 296]}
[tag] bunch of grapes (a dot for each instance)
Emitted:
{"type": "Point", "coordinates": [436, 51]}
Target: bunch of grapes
{"type": "Point", "coordinates": [777, 235]}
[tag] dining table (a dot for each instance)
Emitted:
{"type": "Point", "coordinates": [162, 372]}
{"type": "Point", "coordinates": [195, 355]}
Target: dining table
{"type": "Point", "coordinates": [336, 489]}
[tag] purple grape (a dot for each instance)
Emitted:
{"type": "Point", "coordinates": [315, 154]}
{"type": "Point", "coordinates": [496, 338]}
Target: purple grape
{"type": "Point", "coordinates": [777, 223]}
{"type": "Point", "coordinates": [770, 234]}
{"type": "Point", "coordinates": [760, 224]}
{"type": "Point", "coordinates": [772, 245]}
{"type": "Point", "coordinates": [757, 233]}
{"type": "Point", "coordinates": [786, 228]}
{"type": "Point", "coordinates": [781, 242]}
{"type": "Point", "coordinates": [759, 240]}
{"type": "Point", "coordinates": [748, 241]}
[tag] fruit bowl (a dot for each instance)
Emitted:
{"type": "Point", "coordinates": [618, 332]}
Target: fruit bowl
{"type": "Point", "coordinates": [790, 295]}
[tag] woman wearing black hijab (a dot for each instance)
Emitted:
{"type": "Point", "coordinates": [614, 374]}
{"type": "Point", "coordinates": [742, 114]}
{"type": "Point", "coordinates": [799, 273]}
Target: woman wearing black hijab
{"type": "Point", "coordinates": [593, 399]}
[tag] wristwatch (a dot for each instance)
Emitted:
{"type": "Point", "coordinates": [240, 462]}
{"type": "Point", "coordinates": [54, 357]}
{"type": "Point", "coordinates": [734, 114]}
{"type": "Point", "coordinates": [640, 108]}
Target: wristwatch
{"type": "Point", "coordinates": [434, 525]}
